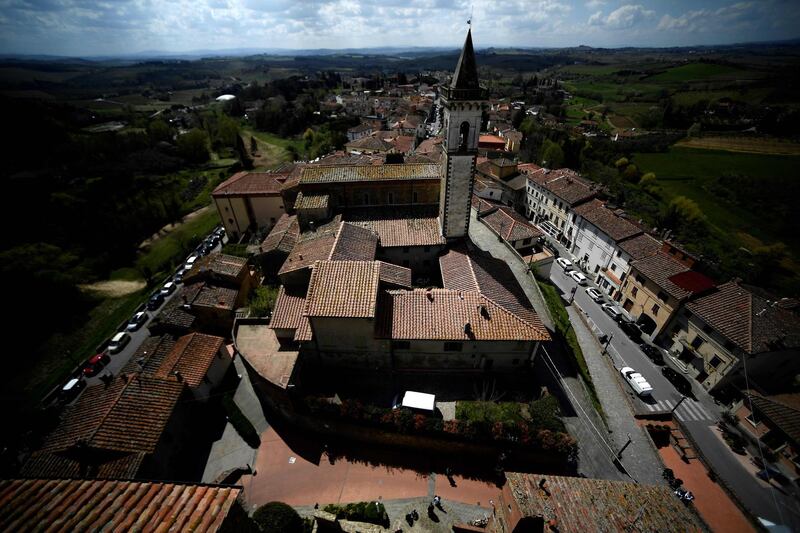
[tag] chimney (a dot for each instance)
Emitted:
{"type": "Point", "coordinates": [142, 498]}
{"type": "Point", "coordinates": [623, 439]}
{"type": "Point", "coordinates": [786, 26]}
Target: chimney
{"type": "Point", "coordinates": [468, 328]}
{"type": "Point", "coordinates": [484, 311]}
{"type": "Point", "coordinates": [178, 375]}
{"type": "Point", "coordinates": [429, 294]}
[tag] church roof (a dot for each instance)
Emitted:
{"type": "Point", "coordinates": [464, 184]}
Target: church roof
{"type": "Point", "coordinates": [465, 85]}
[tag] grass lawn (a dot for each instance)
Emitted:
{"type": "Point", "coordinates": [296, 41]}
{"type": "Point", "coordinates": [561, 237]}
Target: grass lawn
{"type": "Point", "coordinates": [272, 149]}
{"type": "Point", "coordinates": [166, 252]}
{"type": "Point", "coordinates": [743, 144]}
{"type": "Point", "coordinates": [508, 412]}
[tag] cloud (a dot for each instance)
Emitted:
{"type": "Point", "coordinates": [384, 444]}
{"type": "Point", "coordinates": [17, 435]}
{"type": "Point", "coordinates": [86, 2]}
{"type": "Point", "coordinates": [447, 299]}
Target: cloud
{"type": "Point", "coordinates": [741, 13]}
{"type": "Point", "coordinates": [594, 4]}
{"type": "Point", "coordinates": [622, 18]}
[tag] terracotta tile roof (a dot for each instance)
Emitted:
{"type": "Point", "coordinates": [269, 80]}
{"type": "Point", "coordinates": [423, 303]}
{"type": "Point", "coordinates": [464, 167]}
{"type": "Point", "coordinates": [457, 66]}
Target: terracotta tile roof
{"type": "Point", "coordinates": [482, 205]}
{"type": "Point", "coordinates": [218, 263]}
{"type": "Point", "coordinates": [354, 243]}
{"type": "Point", "coordinates": [510, 225]}
{"type": "Point", "coordinates": [311, 247]}
{"type": "Point", "coordinates": [747, 319]}
{"type": "Point", "coordinates": [261, 350]}
{"type": "Point", "coordinates": [595, 505]}
{"type": "Point", "coordinates": [95, 464]}
{"type": "Point", "coordinates": [289, 307]}
{"type": "Point", "coordinates": [370, 142]}
{"type": "Point", "coordinates": [312, 201]}
{"type": "Point", "coordinates": [659, 268]}
{"type": "Point", "coordinates": [491, 140]}
{"type": "Point", "coordinates": [410, 226]}
{"type": "Point", "coordinates": [293, 177]}
{"type": "Point", "coordinates": [430, 146]}
{"type": "Point", "coordinates": [361, 127]}
{"type": "Point", "coordinates": [476, 272]}
{"type": "Point", "coordinates": [84, 505]}
{"type": "Point", "coordinates": [304, 332]}
{"type": "Point", "coordinates": [403, 143]}
{"type": "Point", "coordinates": [191, 356]}
{"type": "Point", "coordinates": [149, 356]}
{"type": "Point", "coordinates": [252, 183]}
{"type": "Point", "coordinates": [343, 289]}
{"type": "Point", "coordinates": [344, 158]}
{"type": "Point", "coordinates": [442, 314]}
{"type": "Point", "coordinates": [640, 246]}
{"type": "Point", "coordinates": [213, 296]}
{"type": "Point", "coordinates": [173, 316]}
{"type": "Point", "coordinates": [395, 274]}
{"type": "Point", "coordinates": [566, 184]}
{"type": "Point", "coordinates": [283, 235]}
{"type": "Point", "coordinates": [128, 416]}
{"type": "Point", "coordinates": [356, 173]}
{"type": "Point", "coordinates": [607, 221]}
{"type": "Point", "coordinates": [783, 410]}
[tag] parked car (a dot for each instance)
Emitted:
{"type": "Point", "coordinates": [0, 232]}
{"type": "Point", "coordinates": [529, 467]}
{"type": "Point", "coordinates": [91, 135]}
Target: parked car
{"type": "Point", "coordinates": [636, 381]}
{"type": "Point", "coordinates": [594, 294]}
{"type": "Point", "coordinates": [71, 389]}
{"type": "Point", "coordinates": [630, 327]}
{"type": "Point", "coordinates": [579, 278]}
{"type": "Point", "coordinates": [681, 383]}
{"type": "Point", "coordinates": [190, 262]}
{"type": "Point", "coordinates": [653, 353]}
{"type": "Point", "coordinates": [178, 277]}
{"type": "Point", "coordinates": [155, 301]}
{"type": "Point", "coordinates": [169, 287]}
{"type": "Point", "coordinates": [95, 364]}
{"type": "Point", "coordinates": [118, 342]}
{"type": "Point", "coordinates": [137, 321]}
{"type": "Point", "coordinates": [611, 310]}
{"type": "Point", "coordinates": [565, 263]}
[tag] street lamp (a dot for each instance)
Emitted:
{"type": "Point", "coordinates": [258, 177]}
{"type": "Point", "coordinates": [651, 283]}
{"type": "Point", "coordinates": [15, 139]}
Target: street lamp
{"type": "Point", "coordinates": [608, 341]}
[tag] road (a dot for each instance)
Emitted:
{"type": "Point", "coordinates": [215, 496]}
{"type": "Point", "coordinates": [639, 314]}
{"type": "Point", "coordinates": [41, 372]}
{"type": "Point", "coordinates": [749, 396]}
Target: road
{"type": "Point", "coordinates": [699, 415]}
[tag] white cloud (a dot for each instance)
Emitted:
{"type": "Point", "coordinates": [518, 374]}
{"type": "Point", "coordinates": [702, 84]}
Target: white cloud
{"type": "Point", "coordinates": [741, 14]}
{"type": "Point", "coordinates": [594, 4]}
{"type": "Point", "coordinates": [626, 16]}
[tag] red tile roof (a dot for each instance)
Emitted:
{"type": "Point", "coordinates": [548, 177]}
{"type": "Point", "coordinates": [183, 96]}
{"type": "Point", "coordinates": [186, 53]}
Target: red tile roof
{"type": "Point", "coordinates": [432, 145]}
{"type": "Point", "coordinates": [371, 143]}
{"type": "Point", "coordinates": [289, 307]}
{"type": "Point", "coordinates": [92, 465]}
{"type": "Point", "coordinates": [311, 201]}
{"type": "Point", "coordinates": [84, 505]}
{"type": "Point", "coordinates": [228, 266]}
{"type": "Point", "coordinates": [354, 243]}
{"type": "Point", "coordinates": [491, 277]}
{"type": "Point", "coordinates": [415, 226]}
{"type": "Point", "coordinates": [128, 416]}
{"type": "Point", "coordinates": [148, 357]}
{"type": "Point", "coordinates": [659, 268]}
{"type": "Point", "coordinates": [595, 505]}
{"type": "Point", "coordinates": [441, 314]}
{"type": "Point", "coordinates": [607, 221]}
{"type": "Point", "coordinates": [212, 296]}
{"type": "Point", "coordinates": [566, 184]}
{"type": "Point", "coordinates": [339, 241]}
{"type": "Point", "coordinates": [783, 410]}
{"type": "Point", "coordinates": [191, 356]}
{"type": "Point", "coordinates": [283, 235]}
{"type": "Point", "coordinates": [748, 320]}
{"type": "Point", "coordinates": [482, 205]}
{"type": "Point", "coordinates": [369, 173]}
{"type": "Point", "coordinates": [252, 184]}
{"type": "Point", "coordinates": [640, 246]}
{"type": "Point", "coordinates": [510, 225]}
{"type": "Point", "coordinates": [395, 274]}
{"type": "Point", "coordinates": [343, 289]}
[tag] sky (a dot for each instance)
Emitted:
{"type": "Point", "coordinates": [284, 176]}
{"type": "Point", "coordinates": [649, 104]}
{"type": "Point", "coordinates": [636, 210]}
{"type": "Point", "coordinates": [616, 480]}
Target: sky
{"type": "Point", "coordinates": [118, 27]}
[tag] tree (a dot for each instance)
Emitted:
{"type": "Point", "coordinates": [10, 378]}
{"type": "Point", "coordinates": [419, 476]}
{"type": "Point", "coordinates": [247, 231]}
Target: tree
{"type": "Point", "coordinates": [193, 146]}
{"type": "Point", "coordinates": [552, 154]}
{"type": "Point", "coordinates": [158, 131]}
{"type": "Point", "coordinates": [621, 163]}
{"type": "Point", "coordinates": [631, 173]}
{"type": "Point", "coordinates": [253, 145]}
{"type": "Point", "coordinates": [277, 517]}
{"type": "Point", "coordinates": [681, 213]}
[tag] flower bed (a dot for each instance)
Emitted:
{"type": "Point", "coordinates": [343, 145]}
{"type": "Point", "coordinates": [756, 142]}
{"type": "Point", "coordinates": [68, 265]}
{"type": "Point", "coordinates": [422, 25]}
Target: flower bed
{"type": "Point", "coordinates": [406, 422]}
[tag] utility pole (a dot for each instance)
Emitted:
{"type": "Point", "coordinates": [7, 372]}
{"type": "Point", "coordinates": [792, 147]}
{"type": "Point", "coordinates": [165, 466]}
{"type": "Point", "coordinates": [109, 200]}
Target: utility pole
{"type": "Point", "coordinates": [608, 341]}
{"type": "Point", "coordinates": [678, 404]}
{"type": "Point", "coordinates": [572, 295]}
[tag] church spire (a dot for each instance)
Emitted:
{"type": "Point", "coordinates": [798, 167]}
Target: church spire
{"type": "Point", "coordinates": [465, 83]}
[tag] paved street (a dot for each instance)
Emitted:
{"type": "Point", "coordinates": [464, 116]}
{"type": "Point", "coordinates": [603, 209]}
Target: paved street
{"type": "Point", "coordinates": [698, 415]}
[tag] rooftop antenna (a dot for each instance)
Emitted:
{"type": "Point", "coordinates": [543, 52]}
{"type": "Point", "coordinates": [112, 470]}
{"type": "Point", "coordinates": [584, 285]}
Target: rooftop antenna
{"type": "Point", "coordinates": [469, 22]}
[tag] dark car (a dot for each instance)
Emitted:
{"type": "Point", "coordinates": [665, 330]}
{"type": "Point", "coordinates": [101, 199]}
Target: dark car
{"type": "Point", "coordinates": [680, 382]}
{"type": "Point", "coordinates": [155, 301]}
{"type": "Point", "coordinates": [630, 328]}
{"type": "Point", "coordinates": [94, 365]}
{"type": "Point", "coordinates": [652, 353]}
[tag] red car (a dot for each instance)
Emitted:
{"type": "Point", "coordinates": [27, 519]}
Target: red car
{"type": "Point", "coordinates": [94, 365]}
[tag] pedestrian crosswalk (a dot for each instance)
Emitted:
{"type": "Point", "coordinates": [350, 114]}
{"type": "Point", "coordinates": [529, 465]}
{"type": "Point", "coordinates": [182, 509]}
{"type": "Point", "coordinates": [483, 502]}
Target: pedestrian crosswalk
{"type": "Point", "coordinates": [688, 411]}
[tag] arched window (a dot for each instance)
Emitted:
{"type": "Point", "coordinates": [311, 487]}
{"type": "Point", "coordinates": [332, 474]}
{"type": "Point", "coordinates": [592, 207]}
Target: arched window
{"type": "Point", "coordinates": [463, 138]}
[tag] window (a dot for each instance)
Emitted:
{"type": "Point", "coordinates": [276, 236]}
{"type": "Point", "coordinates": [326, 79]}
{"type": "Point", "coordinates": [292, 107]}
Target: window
{"type": "Point", "coordinates": [619, 253]}
{"type": "Point", "coordinates": [597, 269]}
{"type": "Point", "coordinates": [715, 361]}
{"type": "Point", "coordinates": [697, 342]}
{"type": "Point", "coordinates": [401, 345]}
{"type": "Point", "coordinates": [640, 279]}
{"type": "Point", "coordinates": [634, 291]}
{"type": "Point", "coordinates": [452, 347]}
{"type": "Point", "coordinates": [613, 267]}
{"type": "Point", "coordinates": [463, 136]}
{"type": "Point", "coordinates": [752, 419]}
{"type": "Point", "coordinates": [662, 296]}
{"type": "Point", "coordinates": [655, 309]}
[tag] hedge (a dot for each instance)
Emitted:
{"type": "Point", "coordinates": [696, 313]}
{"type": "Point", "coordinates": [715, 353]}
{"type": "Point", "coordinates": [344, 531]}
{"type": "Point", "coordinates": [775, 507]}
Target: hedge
{"type": "Point", "coordinates": [370, 512]}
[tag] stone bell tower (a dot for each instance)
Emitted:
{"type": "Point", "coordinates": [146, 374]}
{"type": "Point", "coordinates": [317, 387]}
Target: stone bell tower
{"type": "Point", "coordinates": [463, 104]}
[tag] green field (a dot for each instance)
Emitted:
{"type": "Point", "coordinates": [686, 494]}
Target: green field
{"type": "Point", "coordinates": [685, 171]}
{"type": "Point", "coordinates": [167, 252]}
{"type": "Point", "coordinates": [695, 71]}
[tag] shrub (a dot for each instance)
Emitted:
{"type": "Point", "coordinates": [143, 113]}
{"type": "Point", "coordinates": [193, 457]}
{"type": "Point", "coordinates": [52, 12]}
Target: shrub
{"type": "Point", "coordinates": [263, 300]}
{"type": "Point", "coordinates": [482, 411]}
{"type": "Point", "coordinates": [370, 512]}
{"type": "Point", "coordinates": [240, 423]}
{"type": "Point", "coordinates": [544, 414]}
{"type": "Point", "coordinates": [278, 517]}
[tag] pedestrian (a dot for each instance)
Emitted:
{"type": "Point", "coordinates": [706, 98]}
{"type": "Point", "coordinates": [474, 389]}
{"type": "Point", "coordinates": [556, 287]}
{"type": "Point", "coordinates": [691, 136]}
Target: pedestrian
{"type": "Point", "coordinates": [494, 511]}
{"type": "Point", "coordinates": [316, 506]}
{"type": "Point", "coordinates": [437, 501]}
{"type": "Point", "coordinates": [415, 514]}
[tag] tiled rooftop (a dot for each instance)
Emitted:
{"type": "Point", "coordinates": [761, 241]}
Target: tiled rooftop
{"type": "Point", "coordinates": [261, 349]}
{"type": "Point", "coordinates": [356, 173]}
{"type": "Point", "coordinates": [191, 356]}
{"type": "Point", "coordinates": [566, 184]}
{"type": "Point", "coordinates": [220, 264]}
{"type": "Point", "coordinates": [343, 289]}
{"type": "Point", "coordinates": [483, 206]}
{"type": "Point", "coordinates": [251, 183]}
{"type": "Point", "coordinates": [411, 226]}
{"type": "Point", "coordinates": [659, 268]}
{"type": "Point", "coordinates": [354, 243]}
{"type": "Point", "coordinates": [510, 225]}
{"type": "Point", "coordinates": [371, 143]}
{"type": "Point", "coordinates": [289, 307]}
{"type": "Point", "coordinates": [213, 296]}
{"type": "Point", "coordinates": [149, 356]}
{"type": "Point", "coordinates": [94, 465]}
{"type": "Point", "coordinates": [283, 235]}
{"type": "Point", "coordinates": [128, 416]}
{"type": "Point", "coordinates": [607, 221]}
{"type": "Point", "coordinates": [783, 410]}
{"type": "Point", "coordinates": [87, 505]}
{"type": "Point", "coordinates": [476, 272]}
{"type": "Point", "coordinates": [395, 274]}
{"type": "Point", "coordinates": [640, 246]}
{"type": "Point", "coordinates": [584, 505]}
{"type": "Point", "coordinates": [311, 201]}
{"type": "Point", "coordinates": [441, 314]}
{"type": "Point", "coordinates": [335, 241]}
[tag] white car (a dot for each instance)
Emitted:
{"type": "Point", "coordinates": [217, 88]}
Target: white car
{"type": "Point", "coordinates": [118, 342]}
{"type": "Point", "coordinates": [612, 310]}
{"type": "Point", "coordinates": [565, 263]}
{"type": "Point", "coordinates": [636, 381]}
{"type": "Point", "coordinates": [190, 262]}
{"type": "Point", "coordinates": [168, 288]}
{"type": "Point", "coordinates": [594, 294]}
{"type": "Point", "coordinates": [579, 278]}
{"type": "Point", "coordinates": [137, 321]}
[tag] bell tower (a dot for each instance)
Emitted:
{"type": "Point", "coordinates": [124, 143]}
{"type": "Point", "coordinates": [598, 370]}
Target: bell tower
{"type": "Point", "coordinates": [463, 105]}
